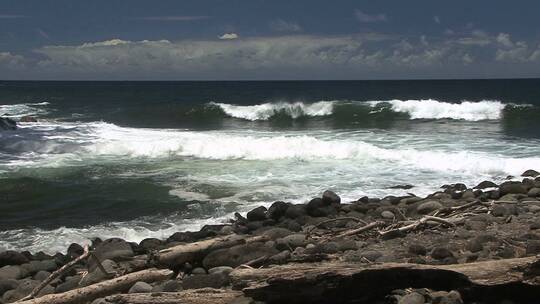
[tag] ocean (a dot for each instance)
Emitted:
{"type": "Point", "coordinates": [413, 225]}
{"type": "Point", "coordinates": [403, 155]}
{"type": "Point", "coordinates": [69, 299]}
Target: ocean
{"type": "Point", "coordinates": [147, 159]}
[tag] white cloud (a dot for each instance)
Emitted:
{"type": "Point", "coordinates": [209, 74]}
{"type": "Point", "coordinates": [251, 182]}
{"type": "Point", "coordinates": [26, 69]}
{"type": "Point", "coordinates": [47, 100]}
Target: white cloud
{"type": "Point", "coordinates": [367, 18]}
{"type": "Point", "coordinates": [280, 25]}
{"type": "Point", "coordinates": [228, 36]}
{"type": "Point", "coordinates": [504, 39]}
{"type": "Point", "coordinates": [437, 19]}
{"type": "Point", "coordinates": [11, 61]}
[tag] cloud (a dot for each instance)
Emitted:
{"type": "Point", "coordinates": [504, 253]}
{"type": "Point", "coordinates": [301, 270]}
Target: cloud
{"type": "Point", "coordinates": [367, 18]}
{"type": "Point", "coordinates": [11, 61]}
{"type": "Point", "coordinates": [173, 18]}
{"type": "Point", "coordinates": [280, 25]}
{"type": "Point", "coordinates": [228, 36]}
{"type": "Point", "coordinates": [12, 16]}
{"type": "Point", "coordinates": [437, 19]}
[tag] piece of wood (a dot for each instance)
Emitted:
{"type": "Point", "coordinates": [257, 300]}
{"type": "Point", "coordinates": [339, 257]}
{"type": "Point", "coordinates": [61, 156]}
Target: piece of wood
{"type": "Point", "coordinates": [194, 296]}
{"type": "Point", "coordinates": [364, 228]}
{"type": "Point", "coordinates": [102, 289]}
{"type": "Point", "coordinates": [178, 255]}
{"type": "Point", "coordinates": [335, 282]}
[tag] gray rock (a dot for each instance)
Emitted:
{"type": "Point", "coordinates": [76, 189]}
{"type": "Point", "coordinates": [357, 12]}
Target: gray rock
{"type": "Point", "coordinates": [215, 280]}
{"type": "Point", "coordinates": [277, 210]}
{"type": "Point", "coordinates": [280, 258]}
{"type": "Point", "coordinates": [221, 269]}
{"type": "Point", "coordinates": [198, 270]}
{"type": "Point", "coordinates": [512, 187]}
{"type": "Point", "coordinates": [74, 250]}
{"type": "Point", "coordinates": [417, 249]}
{"type": "Point", "coordinates": [36, 266]}
{"type": "Point", "coordinates": [499, 211]}
{"type": "Point", "coordinates": [330, 247]}
{"type": "Point", "coordinates": [347, 244]}
{"type": "Point", "coordinates": [41, 275]}
{"type": "Point", "coordinates": [149, 244]}
{"type": "Point", "coordinates": [276, 233]}
{"type": "Point", "coordinates": [440, 253]}
{"type": "Point", "coordinates": [295, 211]}
{"type": "Point", "coordinates": [140, 287]}
{"type": "Point", "coordinates": [12, 272]}
{"type": "Point", "coordinates": [111, 249]}
{"type": "Point", "coordinates": [171, 286]}
{"type": "Point", "coordinates": [316, 208]}
{"type": "Point", "coordinates": [428, 207]}
{"type": "Point", "coordinates": [7, 284]}
{"type": "Point", "coordinates": [330, 197]}
{"type": "Point", "coordinates": [534, 192]}
{"type": "Point", "coordinates": [410, 200]}
{"type": "Point", "coordinates": [96, 275]}
{"type": "Point", "coordinates": [371, 255]}
{"type": "Point", "coordinates": [291, 241]}
{"type": "Point", "coordinates": [412, 298]}
{"type": "Point", "coordinates": [11, 257]}
{"type": "Point", "coordinates": [533, 247]}
{"type": "Point", "coordinates": [387, 215]}
{"type": "Point", "coordinates": [486, 184]}
{"type": "Point", "coordinates": [530, 173]}
{"type": "Point", "coordinates": [237, 255]}
{"type": "Point", "coordinates": [70, 283]}
{"type": "Point", "coordinates": [257, 214]}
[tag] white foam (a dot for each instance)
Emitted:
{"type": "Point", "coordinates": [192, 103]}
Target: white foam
{"type": "Point", "coordinates": [23, 109]}
{"type": "Point", "coordinates": [267, 110]}
{"type": "Point", "coordinates": [433, 109]}
{"type": "Point", "coordinates": [68, 143]}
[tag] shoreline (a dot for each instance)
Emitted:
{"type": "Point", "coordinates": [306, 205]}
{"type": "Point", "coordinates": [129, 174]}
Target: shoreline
{"type": "Point", "coordinates": [455, 226]}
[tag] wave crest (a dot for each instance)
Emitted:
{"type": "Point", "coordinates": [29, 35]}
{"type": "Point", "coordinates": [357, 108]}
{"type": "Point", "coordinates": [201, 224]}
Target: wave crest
{"type": "Point", "coordinates": [23, 109]}
{"type": "Point", "coordinates": [267, 110]}
{"type": "Point", "coordinates": [433, 109]}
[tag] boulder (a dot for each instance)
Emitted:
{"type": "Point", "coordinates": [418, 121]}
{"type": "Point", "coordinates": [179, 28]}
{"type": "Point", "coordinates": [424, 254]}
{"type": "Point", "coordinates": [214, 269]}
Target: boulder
{"type": "Point", "coordinates": [11, 257]}
{"type": "Point", "coordinates": [111, 249]}
{"type": "Point", "coordinates": [140, 287]}
{"type": "Point", "coordinates": [277, 210]}
{"type": "Point", "coordinates": [257, 214]}
{"type": "Point", "coordinates": [485, 185]}
{"type": "Point", "coordinates": [295, 211]}
{"type": "Point", "coordinates": [441, 253]}
{"type": "Point", "coordinates": [315, 207]}
{"type": "Point", "coordinates": [417, 249]}
{"type": "Point", "coordinates": [74, 250]}
{"type": "Point", "coordinates": [387, 215]}
{"type": "Point", "coordinates": [533, 247]}
{"type": "Point", "coordinates": [330, 197]}
{"type": "Point", "coordinates": [69, 283]}
{"type": "Point", "coordinates": [96, 275]}
{"type": "Point", "coordinates": [12, 272]}
{"type": "Point", "coordinates": [36, 266]}
{"type": "Point", "coordinates": [7, 284]}
{"type": "Point", "coordinates": [512, 187]}
{"type": "Point", "coordinates": [221, 269]}
{"type": "Point", "coordinates": [534, 192]}
{"type": "Point", "coordinates": [530, 173]}
{"type": "Point", "coordinates": [428, 207]}
{"type": "Point", "coordinates": [291, 241]}
{"type": "Point", "coordinates": [41, 275]}
{"type": "Point", "coordinates": [150, 244]}
{"type": "Point", "coordinates": [238, 255]}
{"type": "Point", "coordinates": [7, 124]}
{"type": "Point", "coordinates": [412, 298]}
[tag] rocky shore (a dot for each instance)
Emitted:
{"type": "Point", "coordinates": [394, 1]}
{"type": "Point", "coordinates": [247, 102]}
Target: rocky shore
{"type": "Point", "coordinates": [458, 245]}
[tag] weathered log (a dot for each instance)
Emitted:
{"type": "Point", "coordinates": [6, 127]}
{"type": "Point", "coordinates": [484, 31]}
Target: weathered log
{"type": "Point", "coordinates": [194, 296]}
{"type": "Point", "coordinates": [180, 254]}
{"type": "Point", "coordinates": [347, 283]}
{"type": "Point", "coordinates": [102, 289]}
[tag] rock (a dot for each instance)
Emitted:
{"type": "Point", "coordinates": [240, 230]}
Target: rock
{"type": "Point", "coordinates": [140, 287]}
{"type": "Point", "coordinates": [74, 250]}
{"type": "Point", "coordinates": [533, 247]}
{"type": "Point", "coordinates": [387, 215]}
{"type": "Point", "coordinates": [412, 298]}
{"type": "Point", "coordinates": [347, 244]}
{"type": "Point", "coordinates": [417, 249]}
{"type": "Point", "coordinates": [96, 275]}
{"type": "Point", "coordinates": [475, 245]}
{"type": "Point", "coordinates": [534, 192]}
{"type": "Point", "coordinates": [215, 280]}
{"type": "Point", "coordinates": [12, 272]}
{"type": "Point", "coordinates": [257, 214]}
{"type": "Point", "coordinates": [277, 210]}
{"type": "Point", "coordinates": [70, 283]}
{"type": "Point", "coordinates": [221, 269]}
{"type": "Point", "coordinates": [410, 200]}
{"type": "Point", "coordinates": [330, 197]}
{"type": "Point", "coordinates": [280, 258]}
{"type": "Point", "coordinates": [111, 249]}
{"type": "Point", "coordinates": [276, 233]}
{"type": "Point", "coordinates": [371, 255]}
{"type": "Point", "coordinates": [485, 185]}
{"type": "Point", "coordinates": [512, 187]}
{"type": "Point", "coordinates": [11, 257]}
{"type": "Point", "coordinates": [198, 270]}
{"type": "Point", "coordinates": [468, 195]}
{"type": "Point", "coordinates": [315, 207]}
{"type": "Point", "coordinates": [475, 225]}
{"type": "Point", "coordinates": [7, 284]}
{"type": "Point", "coordinates": [530, 173]}
{"type": "Point", "coordinates": [428, 207]}
{"type": "Point", "coordinates": [41, 275]}
{"type": "Point", "coordinates": [171, 286]}
{"type": "Point", "coordinates": [7, 124]}
{"type": "Point", "coordinates": [291, 241]}
{"type": "Point", "coordinates": [295, 211]}
{"type": "Point", "coordinates": [150, 244]}
{"type": "Point", "coordinates": [499, 211]}
{"type": "Point", "coordinates": [404, 187]}
{"type": "Point", "coordinates": [35, 266]}
{"type": "Point", "coordinates": [440, 253]}
{"type": "Point", "coordinates": [238, 255]}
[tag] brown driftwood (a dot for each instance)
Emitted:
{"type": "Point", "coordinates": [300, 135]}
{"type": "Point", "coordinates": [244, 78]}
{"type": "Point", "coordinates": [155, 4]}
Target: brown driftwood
{"type": "Point", "coordinates": [178, 255]}
{"type": "Point", "coordinates": [357, 283]}
{"type": "Point", "coordinates": [194, 296]}
{"type": "Point", "coordinates": [102, 289]}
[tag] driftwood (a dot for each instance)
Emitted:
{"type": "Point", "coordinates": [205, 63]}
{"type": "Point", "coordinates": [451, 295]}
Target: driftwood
{"type": "Point", "coordinates": [102, 289]}
{"type": "Point", "coordinates": [178, 255]}
{"type": "Point", "coordinates": [356, 283]}
{"type": "Point", "coordinates": [194, 296]}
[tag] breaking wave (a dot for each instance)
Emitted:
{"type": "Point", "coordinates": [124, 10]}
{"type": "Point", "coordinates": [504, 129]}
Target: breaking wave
{"type": "Point", "coordinates": [267, 110]}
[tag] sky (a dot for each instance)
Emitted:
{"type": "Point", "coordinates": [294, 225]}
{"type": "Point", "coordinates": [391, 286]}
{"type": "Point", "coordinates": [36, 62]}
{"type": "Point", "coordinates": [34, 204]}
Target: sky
{"type": "Point", "coordinates": [268, 39]}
